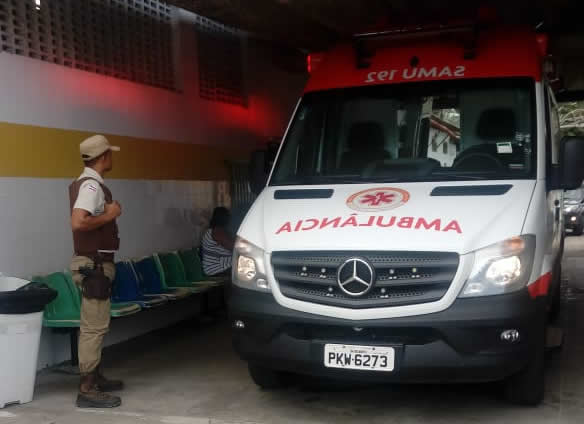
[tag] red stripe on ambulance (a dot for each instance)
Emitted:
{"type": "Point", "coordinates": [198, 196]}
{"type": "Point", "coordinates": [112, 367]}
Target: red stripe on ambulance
{"type": "Point", "coordinates": [541, 286]}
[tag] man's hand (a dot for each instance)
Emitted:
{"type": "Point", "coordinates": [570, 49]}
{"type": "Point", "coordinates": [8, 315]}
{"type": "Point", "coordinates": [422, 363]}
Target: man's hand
{"type": "Point", "coordinates": [113, 209]}
{"type": "Point", "coordinates": [81, 220]}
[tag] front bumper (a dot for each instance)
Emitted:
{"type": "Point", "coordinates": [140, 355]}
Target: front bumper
{"type": "Point", "coordinates": [460, 344]}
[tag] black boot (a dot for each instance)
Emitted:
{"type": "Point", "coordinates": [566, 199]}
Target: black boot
{"type": "Point", "coordinates": [105, 385]}
{"type": "Point", "coordinates": [91, 397]}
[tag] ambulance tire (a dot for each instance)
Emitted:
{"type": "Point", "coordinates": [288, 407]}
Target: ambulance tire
{"type": "Point", "coordinates": [527, 388]}
{"type": "Point", "coordinates": [266, 378]}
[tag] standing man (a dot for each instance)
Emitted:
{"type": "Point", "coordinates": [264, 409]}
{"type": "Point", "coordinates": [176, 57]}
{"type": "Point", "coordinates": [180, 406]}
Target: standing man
{"type": "Point", "coordinates": [95, 240]}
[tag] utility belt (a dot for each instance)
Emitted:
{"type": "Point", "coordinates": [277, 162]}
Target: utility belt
{"type": "Point", "coordinates": [95, 284]}
{"type": "Point", "coordinates": [103, 256]}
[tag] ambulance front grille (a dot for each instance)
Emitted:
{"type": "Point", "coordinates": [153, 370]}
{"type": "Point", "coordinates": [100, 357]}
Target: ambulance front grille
{"type": "Point", "coordinates": [401, 278]}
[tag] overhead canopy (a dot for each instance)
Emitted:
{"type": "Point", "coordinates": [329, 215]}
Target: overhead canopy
{"type": "Point", "coordinates": [313, 25]}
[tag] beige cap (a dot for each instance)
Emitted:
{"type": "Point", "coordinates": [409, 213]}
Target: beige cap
{"type": "Point", "coordinates": [94, 146]}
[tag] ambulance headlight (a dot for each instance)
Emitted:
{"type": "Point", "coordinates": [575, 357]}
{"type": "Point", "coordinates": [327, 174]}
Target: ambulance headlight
{"type": "Point", "coordinates": [249, 270]}
{"type": "Point", "coordinates": [501, 268]}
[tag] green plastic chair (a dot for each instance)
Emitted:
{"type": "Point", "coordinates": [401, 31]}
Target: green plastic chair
{"type": "Point", "coordinates": [64, 311]}
{"type": "Point", "coordinates": [192, 265]}
{"type": "Point", "coordinates": [118, 310]}
{"type": "Point", "coordinates": [173, 274]}
{"type": "Point", "coordinates": [176, 292]}
{"type": "Point", "coordinates": [124, 309]}
{"type": "Point", "coordinates": [194, 268]}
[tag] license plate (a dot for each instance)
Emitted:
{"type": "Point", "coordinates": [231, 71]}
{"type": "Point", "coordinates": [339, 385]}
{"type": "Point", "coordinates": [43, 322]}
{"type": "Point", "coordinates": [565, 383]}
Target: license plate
{"type": "Point", "coordinates": [369, 358]}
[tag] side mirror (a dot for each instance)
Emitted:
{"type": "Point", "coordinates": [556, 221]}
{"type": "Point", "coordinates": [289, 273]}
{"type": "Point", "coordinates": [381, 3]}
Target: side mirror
{"type": "Point", "coordinates": [258, 176]}
{"type": "Point", "coordinates": [571, 172]}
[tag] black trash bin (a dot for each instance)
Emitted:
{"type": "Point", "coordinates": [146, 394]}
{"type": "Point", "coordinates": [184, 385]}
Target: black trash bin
{"type": "Point", "coordinates": [32, 297]}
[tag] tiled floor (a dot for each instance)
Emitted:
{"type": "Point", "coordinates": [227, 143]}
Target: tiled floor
{"type": "Point", "coordinates": [189, 375]}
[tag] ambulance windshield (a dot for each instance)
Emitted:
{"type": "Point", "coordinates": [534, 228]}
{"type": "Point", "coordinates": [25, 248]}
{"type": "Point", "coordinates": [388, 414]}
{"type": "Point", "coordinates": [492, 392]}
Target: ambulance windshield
{"type": "Point", "coordinates": [438, 131]}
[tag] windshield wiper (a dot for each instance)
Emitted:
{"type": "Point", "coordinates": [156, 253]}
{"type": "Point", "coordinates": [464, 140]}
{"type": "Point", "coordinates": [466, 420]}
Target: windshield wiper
{"type": "Point", "coordinates": [457, 177]}
{"type": "Point", "coordinates": [354, 179]}
{"type": "Point", "coordinates": [318, 180]}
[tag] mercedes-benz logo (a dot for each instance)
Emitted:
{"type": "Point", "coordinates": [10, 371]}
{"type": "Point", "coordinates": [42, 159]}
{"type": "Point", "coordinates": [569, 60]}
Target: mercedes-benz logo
{"type": "Point", "coordinates": [355, 277]}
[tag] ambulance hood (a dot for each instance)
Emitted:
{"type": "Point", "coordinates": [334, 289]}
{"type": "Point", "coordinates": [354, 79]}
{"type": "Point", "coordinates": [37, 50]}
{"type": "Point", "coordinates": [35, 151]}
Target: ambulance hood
{"type": "Point", "coordinates": [432, 216]}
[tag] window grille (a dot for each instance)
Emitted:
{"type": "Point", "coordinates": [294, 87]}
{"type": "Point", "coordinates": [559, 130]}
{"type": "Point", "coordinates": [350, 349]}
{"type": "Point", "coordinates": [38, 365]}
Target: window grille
{"type": "Point", "coordinates": [127, 39]}
{"type": "Point", "coordinates": [220, 60]}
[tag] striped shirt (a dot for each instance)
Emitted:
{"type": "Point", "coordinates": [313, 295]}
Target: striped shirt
{"type": "Point", "coordinates": [216, 258]}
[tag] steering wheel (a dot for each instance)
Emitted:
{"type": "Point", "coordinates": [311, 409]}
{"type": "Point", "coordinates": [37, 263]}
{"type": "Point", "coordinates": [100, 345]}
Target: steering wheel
{"type": "Point", "coordinates": [482, 158]}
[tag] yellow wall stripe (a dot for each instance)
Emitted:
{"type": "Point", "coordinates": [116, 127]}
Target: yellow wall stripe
{"type": "Point", "coordinates": [31, 151]}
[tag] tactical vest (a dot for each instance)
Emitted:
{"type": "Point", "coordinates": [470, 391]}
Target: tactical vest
{"type": "Point", "coordinates": [88, 243]}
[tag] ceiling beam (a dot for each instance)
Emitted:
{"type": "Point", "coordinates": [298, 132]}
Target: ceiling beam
{"type": "Point", "coordinates": [265, 18]}
{"type": "Point", "coordinates": [316, 24]}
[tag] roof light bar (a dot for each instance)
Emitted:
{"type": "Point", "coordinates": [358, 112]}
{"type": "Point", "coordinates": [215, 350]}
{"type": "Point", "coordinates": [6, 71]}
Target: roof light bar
{"type": "Point", "coordinates": [468, 33]}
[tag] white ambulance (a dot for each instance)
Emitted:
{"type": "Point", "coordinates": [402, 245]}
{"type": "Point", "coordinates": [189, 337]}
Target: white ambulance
{"type": "Point", "coordinates": [411, 229]}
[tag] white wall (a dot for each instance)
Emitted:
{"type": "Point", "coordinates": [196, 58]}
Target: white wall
{"type": "Point", "coordinates": [157, 216]}
{"type": "Point", "coordinates": [48, 95]}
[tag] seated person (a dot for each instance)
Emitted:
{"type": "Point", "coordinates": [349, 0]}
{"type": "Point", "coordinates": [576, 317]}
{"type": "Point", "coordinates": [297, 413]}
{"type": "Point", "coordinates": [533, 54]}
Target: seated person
{"type": "Point", "coordinates": [217, 244]}
{"type": "Point", "coordinates": [494, 126]}
{"type": "Point", "coordinates": [366, 145]}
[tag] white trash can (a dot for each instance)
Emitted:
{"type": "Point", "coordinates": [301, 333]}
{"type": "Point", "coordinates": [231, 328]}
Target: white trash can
{"type": "Point", "coordinates": [20, 334]}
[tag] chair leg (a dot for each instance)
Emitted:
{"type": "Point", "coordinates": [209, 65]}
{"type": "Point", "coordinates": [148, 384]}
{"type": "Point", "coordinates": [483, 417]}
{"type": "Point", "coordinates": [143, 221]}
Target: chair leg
{"type": "Point", "coordinates": [74, 340]}
{"type": "Point", "coordinates": [205, 304]}
{"type": "Point", "coordinates": [226, 296]}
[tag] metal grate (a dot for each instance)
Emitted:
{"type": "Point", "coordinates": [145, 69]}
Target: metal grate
{"type": "Point", "coordinates": [402, 278]}
{"type": "Point", "coordinates": [220, 59]}
{"type": "Point", "coordinates": [241, 195]}
{"type": "Point", "coordinates": [126, 39]}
